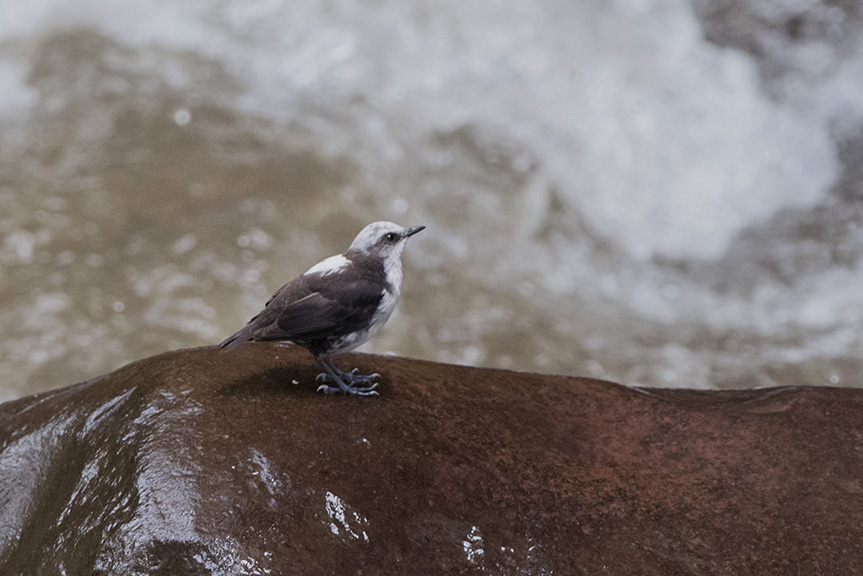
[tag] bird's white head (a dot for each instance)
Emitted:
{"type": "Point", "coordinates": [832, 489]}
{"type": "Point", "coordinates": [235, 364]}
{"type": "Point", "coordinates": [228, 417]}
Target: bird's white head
{"type": "Point", "coordinates": [383, 239]}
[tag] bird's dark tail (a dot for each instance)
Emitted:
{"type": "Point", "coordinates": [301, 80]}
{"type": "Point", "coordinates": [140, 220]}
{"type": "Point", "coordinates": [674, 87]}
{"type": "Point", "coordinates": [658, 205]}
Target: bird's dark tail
{"type": "Point", "coordinates": [235, 340]}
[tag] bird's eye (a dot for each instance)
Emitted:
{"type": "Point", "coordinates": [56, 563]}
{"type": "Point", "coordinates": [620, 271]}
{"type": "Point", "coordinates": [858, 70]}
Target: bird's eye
{"type": "Point", "coordinates": [391, 237]}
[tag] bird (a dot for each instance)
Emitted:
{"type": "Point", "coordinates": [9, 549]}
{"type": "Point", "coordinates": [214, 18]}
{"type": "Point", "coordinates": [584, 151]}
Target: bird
{"type": "Point", "coordinates": [336, 305]}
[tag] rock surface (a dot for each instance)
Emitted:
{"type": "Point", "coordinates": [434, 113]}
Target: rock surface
{"type": "Point", "coordinates": [196, 462]}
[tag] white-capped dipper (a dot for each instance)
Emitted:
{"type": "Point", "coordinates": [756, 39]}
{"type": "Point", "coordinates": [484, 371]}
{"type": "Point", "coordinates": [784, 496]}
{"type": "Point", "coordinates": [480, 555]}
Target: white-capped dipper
{"type": "Point", "coordinates": [336, 305]}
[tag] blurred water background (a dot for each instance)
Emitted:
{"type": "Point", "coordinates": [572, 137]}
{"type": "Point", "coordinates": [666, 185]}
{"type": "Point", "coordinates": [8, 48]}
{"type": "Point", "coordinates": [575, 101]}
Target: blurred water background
{"type": "Point", "coordinates": [657, 192]}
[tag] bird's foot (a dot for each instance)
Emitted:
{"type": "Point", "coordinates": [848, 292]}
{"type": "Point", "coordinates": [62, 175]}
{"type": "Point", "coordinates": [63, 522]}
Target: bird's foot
{"type": "Point", "coordinates": [351, 378]}
{"type": "Point", "coordinates": [348, 383]}
{"type": "Point", "coordinates": [349, 390]}
{"type": "Point", "coordinates": [354, 377]}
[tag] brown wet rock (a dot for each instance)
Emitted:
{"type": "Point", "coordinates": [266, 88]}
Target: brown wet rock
{"type": "Point", "coordinates": [196, 462]}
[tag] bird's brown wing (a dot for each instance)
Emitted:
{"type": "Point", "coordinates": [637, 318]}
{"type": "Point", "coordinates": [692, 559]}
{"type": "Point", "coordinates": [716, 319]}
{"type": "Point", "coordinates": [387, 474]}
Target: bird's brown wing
{"type": "Point", "coordinates": [314, 307]}
{"type": "Point", "coordinates": [335, 306]}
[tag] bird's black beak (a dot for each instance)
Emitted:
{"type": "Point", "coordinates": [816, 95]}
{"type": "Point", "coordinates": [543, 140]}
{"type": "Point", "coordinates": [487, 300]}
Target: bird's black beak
{"type": "Point", "coordinates": [414, 230]}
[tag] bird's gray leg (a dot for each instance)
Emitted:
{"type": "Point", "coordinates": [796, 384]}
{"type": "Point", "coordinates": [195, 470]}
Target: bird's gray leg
{"type": "Point", "coordinates": [333, 374]}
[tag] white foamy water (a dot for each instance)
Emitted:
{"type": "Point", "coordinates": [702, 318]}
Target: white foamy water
{"type": "Point", "coordinates": [604, 190]}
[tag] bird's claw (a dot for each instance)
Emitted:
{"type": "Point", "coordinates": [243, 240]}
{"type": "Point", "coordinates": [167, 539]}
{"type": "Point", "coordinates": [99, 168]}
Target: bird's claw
{"type": "Point", "coordinates": [329, 390]}
{"type": "Point", "coordinates": [367, 391]}
{"type": "Point", "coordinates": [336, 381]}
{"type": "Point", "coordinates": [351, 378]}
{"type": "Point", "coordinates": [362, 380]}
{"type": "Point", "coordinates": [354, 377]}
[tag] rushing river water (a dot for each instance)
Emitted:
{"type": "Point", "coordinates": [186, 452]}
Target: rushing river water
{"type": "Point", "coordinates": [656, 192]}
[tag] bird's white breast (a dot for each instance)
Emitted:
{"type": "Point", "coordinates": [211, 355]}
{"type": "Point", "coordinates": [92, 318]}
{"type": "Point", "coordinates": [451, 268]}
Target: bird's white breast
{"type": "Point", "coordinates": [393, 272]}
